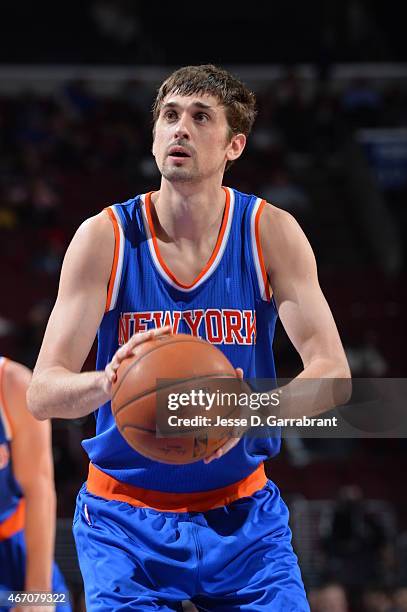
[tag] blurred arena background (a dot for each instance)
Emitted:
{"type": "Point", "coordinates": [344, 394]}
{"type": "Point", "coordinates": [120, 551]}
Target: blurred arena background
{"type": "Point", "coordinates": [330, 145]}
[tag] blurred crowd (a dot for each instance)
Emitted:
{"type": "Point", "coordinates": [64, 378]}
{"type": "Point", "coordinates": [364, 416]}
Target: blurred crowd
{"type": "Point", "coordinates": [125, 32]}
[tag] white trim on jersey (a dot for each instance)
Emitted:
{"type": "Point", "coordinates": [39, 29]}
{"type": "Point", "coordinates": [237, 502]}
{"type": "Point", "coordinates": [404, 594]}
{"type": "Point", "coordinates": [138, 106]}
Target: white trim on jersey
{"type": "Point", "coordinates": [255, 251]}
{"type": "Point", "coordinates": [119, 250]}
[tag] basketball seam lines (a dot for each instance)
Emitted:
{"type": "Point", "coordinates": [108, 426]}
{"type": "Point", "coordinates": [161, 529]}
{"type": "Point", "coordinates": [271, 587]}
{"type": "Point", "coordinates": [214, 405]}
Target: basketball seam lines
{"type": "Point", "coordinates": [171, 384]}
{"type": "Point", "coordinates": [154, 431]}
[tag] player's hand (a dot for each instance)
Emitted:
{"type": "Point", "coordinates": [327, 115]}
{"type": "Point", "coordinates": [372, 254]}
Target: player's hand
{"type": "Point", "coordinates": [126, 351]}
{"type": "Point", "coordinates": [233, 440]}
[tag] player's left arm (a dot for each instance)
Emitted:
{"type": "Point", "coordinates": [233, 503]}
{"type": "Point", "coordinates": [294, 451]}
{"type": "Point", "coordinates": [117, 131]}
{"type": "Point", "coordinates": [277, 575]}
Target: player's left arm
{"type": "Point", "coordinates": [305, 315]}
{"type": "Point", "coordinates": [304, 312]}
{"type": "Point", "coordinates": [31, 454]}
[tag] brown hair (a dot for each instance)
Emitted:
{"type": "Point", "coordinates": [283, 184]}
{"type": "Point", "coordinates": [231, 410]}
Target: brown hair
{"type": "Point", "coordinates": [238, 100]}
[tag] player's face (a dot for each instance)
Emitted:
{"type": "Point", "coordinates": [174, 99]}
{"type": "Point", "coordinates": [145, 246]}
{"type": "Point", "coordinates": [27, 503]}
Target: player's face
{"type": "Point", "coordinates": [192, 140]}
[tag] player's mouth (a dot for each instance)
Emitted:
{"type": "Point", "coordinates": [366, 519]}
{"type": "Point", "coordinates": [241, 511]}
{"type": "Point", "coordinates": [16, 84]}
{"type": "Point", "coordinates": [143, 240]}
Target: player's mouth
{"type": "Point", "coordinates": [178, 152]}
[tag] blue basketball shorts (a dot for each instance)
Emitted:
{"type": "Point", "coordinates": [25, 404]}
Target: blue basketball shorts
{"type": "Point", "coordinates": [235, 557]}
{"type": "Point", "coordinates": [12, 570]}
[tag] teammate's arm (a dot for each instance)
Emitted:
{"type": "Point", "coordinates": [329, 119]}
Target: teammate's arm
{"type": "Point", "coordinates": [58, 389]}
{"type": "Point", "coordinates": [305, 315]}
{"type": "Point", "coordinates": [31, 456]}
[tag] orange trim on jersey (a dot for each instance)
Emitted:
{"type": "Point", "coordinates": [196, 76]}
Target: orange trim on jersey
{"type": "Point", "coordinates": [13, 523]}
{"type": "Point", "coordinates": [115, 258]}
{"type": "Point", "coordinates": [3, 397]}
{"type": "Point", "coordinates": [101, 484]}
{"type": "Point", "coordinates": [214, 253]}
{"type": "Point", "coordinates": [260, 252]}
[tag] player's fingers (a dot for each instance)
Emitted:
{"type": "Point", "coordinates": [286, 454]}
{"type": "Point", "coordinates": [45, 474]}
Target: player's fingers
{"type": "Point", "coordinates": [222, 450]}
{"type": "Point", "coordinates": [110, 373]}
{"type": "Point", "coordinates": [238, 432]}
{"type": "Point", "coordinates": [167, 329]}
{"type": "Point", "coordinates": [138, 339]}
{"type": "Point", "coordinates": [127, 349]}
{"type": "Point", "coordinates": [113, 365]}
{"type": "Point", "coordinates": [118, 357]}
{"type": "Point", "coordinates": [211, 458]}
{"type": "Point", "coordinates": [141, 337]}
{"type": "Point", "coordinates": [229, 445]}
{"type": "Point", "coordinates": [239, 373]}
{"type": "Point", "coordinates": [110, 370]}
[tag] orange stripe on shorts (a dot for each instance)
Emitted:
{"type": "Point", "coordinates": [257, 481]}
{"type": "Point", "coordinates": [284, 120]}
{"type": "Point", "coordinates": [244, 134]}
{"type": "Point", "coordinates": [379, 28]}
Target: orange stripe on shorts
{"type": "Point", "coordinates": [14, 522]}
{"type": "Point", "coordinates": [101, 484]}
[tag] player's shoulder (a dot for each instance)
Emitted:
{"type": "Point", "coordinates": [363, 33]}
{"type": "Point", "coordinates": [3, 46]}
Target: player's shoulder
{"type": "Point", "coordinates": [270, 212]}
{"type": "Point", "coordinates": [95, 244]}
{"type": "Point", "coordinates": [271, 220]}
{"type": "Point", "coordinates": [283, 241]}
{"type": "Point", "coordinates": [95, 224]}
{"type": "Point", "coordinates": [275, 220]}
{"type": "Point", "coordinates": [95, 234]}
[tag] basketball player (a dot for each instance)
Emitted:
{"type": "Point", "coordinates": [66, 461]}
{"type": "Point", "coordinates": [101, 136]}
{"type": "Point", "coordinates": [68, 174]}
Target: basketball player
{"type": "Point", "coordinates": [27, 493]}
{"type": "Point", "coordinates": [213, 262]}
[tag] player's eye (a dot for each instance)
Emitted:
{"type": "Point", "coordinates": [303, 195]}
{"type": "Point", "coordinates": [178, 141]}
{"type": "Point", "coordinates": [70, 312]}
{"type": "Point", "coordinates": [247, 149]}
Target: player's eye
{"type": "Point", "coordinates": [170, 115]}
{"type": "Point", "coordinates": [202, 117]}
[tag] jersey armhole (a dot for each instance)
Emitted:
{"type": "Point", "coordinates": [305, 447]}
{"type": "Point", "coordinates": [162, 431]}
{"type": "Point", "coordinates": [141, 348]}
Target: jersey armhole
{"type": "Point", "coordinates": [266, 291]}
{"type": "Point", "coordinates": [4, 411]}
{"type": "Point", "coordinates": [117, 266]}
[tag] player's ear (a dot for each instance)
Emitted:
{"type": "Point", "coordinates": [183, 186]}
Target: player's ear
{"type": "Point", "coordinates": [236, 147]}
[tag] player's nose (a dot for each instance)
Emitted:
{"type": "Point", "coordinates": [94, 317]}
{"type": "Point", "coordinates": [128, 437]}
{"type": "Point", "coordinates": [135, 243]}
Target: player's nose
{"type": "Point", "coordinates": [182, 128]}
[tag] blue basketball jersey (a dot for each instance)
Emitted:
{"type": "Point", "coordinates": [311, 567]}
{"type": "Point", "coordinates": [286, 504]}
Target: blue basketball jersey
{"type": "Point", "coordinates": [10, 492]}
{"type": "Point", "coordinates": [229, 304]}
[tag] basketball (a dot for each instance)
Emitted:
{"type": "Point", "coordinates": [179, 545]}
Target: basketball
{"type": "Point", "coordinates": [172, 365]}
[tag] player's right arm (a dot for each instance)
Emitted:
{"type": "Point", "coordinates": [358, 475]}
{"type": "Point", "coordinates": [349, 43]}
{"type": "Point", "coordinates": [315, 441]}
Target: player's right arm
{"type": "Point", "coordinates": [58, 388]}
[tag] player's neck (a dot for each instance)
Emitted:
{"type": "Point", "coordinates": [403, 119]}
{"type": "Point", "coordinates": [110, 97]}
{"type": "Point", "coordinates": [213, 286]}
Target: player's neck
{"type": "Point", "coordinates": [185, 212]}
